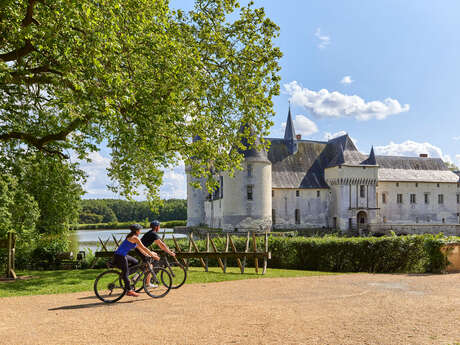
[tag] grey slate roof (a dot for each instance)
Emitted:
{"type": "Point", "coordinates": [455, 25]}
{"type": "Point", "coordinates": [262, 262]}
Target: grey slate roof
{"type": "Point", "coordinates": [251, 153]}
{"type": "Point", "coordinates": [458, 174]}
{"type": "Point", "coordinates": [289, 134]}
{"type": "Point", "coordinates": [305, 168]}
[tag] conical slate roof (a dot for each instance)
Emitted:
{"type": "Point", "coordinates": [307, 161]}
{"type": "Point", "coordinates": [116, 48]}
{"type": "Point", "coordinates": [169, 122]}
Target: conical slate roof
{"type": "Point", "coordinates": [371, 159]}
{"type": "Point", "coordinates": [289, 134]}
{"type": "Point", "coordinates": [250, 152]}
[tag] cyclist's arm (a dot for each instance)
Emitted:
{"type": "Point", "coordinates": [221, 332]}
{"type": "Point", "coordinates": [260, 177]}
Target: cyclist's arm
{"type": "Point", "coordinates": [163, 246]}
{"type": "Point", "coordinates": [145, 250]}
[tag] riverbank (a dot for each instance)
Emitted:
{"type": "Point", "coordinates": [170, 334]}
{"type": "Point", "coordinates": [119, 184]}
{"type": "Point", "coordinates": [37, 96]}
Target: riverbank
{"type": "Point", "coordinates": [125, 225]}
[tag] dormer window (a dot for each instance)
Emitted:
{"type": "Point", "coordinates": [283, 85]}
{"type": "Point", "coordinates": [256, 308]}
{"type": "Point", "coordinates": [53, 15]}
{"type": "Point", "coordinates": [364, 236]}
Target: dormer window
{"type": "Point", "coordinates": [249, 170]}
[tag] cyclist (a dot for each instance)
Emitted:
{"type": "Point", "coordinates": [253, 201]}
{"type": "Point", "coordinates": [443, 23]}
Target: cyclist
{"type": "Point", "coordinates": [151, 237]}
{"type": "Point", "coordinates": [121, 259]}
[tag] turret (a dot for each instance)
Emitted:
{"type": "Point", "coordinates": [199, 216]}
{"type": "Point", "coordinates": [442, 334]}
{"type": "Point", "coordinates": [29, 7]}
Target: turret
{"type": "Point", "coordinates": [195, 197]}
{"type": "Point", "coordinates": [289, 134]}
{"type": "Point", "coordinates": [247, 196]}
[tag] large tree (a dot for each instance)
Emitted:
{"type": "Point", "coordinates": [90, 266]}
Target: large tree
{"type": "Point", "coordinates": [138, 76]}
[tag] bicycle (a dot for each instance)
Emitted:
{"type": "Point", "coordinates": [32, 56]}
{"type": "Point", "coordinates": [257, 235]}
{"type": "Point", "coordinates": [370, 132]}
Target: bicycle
{"type": "Point", "coordinates": [177, 271]}
{"type": "Point", "coordinates": [109, 286]}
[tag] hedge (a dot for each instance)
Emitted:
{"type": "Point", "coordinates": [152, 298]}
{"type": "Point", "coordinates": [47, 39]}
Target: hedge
{"type": "Point", "coordinates": [388, 254]}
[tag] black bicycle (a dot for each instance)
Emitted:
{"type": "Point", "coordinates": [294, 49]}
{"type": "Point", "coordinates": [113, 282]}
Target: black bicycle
{"type": "Point", "coordinates": [109, 286]}
{"type": "Point", "coordinates": [177, 271]}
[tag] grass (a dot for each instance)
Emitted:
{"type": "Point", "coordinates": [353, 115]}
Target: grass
{"type": "Point", "coordinates": [53, 282]}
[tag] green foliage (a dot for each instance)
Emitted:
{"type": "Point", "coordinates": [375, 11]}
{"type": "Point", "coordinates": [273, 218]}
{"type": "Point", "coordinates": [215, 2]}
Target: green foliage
{"type": "Point", "coordinates": [89, 218]}
{"type": "Point", "coordinates": [113, 210]}
{"type": "Point", "coordinates": [139, 76]}
{"type": "Point", "coordinates": [417, 253]}
{"type": "Point", "coordinates": [125, 225]}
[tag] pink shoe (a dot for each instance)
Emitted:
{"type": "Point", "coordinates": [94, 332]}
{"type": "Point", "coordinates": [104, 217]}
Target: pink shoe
{"type": "Point", "coordinates": [132, 293]}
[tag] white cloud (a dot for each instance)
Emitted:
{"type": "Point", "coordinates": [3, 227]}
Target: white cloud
{"type": "Point", "coordinates": [456, 138]}
{"type": "Point", "coordinates": [174, 183]}
{"type": "Point", "coordinates": [323, 103]}
{"type": "Point", "coordinates": [347, 80]}
{"type": "Point", "coordinates": [413, 149]}
{"type": "Point", "coordinates": [174, 180]}
{"type": "Point", "coordinates": [457, 157]}
{"type": "Point", "coordinates": [303, 125]}
{"type": "Point", "coordinates": [324, 40]}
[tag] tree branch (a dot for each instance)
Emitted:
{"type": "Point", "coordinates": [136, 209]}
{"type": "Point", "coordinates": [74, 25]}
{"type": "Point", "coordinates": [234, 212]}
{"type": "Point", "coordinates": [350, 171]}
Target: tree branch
{"type": "Point", "coordinates": [18, 53]}
{"type": "Point", "coordinates": [28, 19]}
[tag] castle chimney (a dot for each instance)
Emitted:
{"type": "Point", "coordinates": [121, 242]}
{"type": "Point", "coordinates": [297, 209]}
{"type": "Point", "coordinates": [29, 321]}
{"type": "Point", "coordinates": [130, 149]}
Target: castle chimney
{"type": "Point", "coordinates": [298, 136]}
{"type": "Point", "coordinates": [424, 155]}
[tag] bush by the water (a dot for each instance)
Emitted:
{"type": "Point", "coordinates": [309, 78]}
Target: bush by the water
{"type": "Point", "coordinates": [416, 253]}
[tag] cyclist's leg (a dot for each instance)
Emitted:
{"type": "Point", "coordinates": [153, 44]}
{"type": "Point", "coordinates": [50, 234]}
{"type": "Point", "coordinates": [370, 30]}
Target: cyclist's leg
{"type": "Point", "coordinates": [131, 262]}
{"type": "Point", "coordinates": [122, 263]}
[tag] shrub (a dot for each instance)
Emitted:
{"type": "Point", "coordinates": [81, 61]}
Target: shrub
{"type": "Point", "coordinates": [416, 253]}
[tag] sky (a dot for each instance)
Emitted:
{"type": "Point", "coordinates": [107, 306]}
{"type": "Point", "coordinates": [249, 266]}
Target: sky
{"type": "Point", "coordinates": [385, 72]}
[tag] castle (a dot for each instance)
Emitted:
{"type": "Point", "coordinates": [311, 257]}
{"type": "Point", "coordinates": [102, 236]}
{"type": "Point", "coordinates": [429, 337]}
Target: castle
{"type": "Point", "coordinates": [302, 184]}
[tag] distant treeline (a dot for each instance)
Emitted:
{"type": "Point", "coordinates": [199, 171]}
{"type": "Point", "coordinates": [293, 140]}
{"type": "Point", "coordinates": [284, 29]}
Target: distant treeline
{"type": "Point", "coordinates": [113, 210]}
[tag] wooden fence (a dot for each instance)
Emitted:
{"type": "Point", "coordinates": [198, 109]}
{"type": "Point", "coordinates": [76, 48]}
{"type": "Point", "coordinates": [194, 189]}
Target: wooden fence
{"type": "Point", "coordinates": [251, 252]}
{"type": "Point", "coordinates": [10, 244]}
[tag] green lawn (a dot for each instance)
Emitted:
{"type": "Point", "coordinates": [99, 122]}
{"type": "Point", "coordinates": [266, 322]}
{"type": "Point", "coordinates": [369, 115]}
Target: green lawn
{"type": "Point", "coordinates": [52, 282]}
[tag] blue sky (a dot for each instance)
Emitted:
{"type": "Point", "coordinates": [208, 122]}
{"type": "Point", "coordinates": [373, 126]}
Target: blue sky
{"type": "Point", "coordinates": [386, 72]}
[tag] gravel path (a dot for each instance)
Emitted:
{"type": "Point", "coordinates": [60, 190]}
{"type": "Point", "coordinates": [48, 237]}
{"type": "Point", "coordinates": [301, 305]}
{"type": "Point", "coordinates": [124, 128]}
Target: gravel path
{"type": "Point", "coordinates": [344, 309]}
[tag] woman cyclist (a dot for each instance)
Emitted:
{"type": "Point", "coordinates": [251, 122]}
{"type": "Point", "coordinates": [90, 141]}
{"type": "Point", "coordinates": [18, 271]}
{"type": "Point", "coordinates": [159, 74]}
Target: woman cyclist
{"type": "Point", "coordinates": [122, 260]}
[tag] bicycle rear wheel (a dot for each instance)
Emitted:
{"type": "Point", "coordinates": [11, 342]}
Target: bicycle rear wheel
{"type": "Point", "coordinates": [159, 284]}
{"type": "Point", "coordinates": [178, 274]}
{"type": "Point", "coordinates": [109, 286]}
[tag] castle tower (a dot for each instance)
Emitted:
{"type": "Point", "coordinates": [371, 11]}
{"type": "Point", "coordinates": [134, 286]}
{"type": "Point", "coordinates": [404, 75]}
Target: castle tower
{"type": "Point", "coordinates": [353, 188]}
{"type": "Point", "coordinates": [195, 197]}
{"type": "Point", "coordinates": [247, 202]}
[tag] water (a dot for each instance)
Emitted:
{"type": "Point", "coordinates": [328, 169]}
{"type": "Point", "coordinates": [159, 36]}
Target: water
{"type": "Point", "coordinates": [84, 239]}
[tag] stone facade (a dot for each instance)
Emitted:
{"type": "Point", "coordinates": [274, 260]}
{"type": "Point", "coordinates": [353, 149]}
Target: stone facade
{"type": "Point", "coordinates": [302, 184]}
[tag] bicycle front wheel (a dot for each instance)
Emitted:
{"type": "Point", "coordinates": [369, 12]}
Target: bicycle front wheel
{"type": "Point", "coordinates": [178, 274]}
{"type": "Point", "coordinates": [109, 286]}
{"type": "Point", "coordinates": [157, 283]}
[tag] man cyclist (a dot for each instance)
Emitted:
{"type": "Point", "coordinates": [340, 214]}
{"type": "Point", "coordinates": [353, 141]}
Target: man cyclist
{"type": "Point", "coordinates": [151, 237]}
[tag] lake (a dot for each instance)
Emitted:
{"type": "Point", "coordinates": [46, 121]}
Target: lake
{"type": "Point", "coordinates": [84, 239]}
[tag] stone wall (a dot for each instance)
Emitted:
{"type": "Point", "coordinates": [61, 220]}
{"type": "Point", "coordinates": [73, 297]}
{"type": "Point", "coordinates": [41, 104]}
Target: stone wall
{"type": "Point", "coordinates": [412, 229]}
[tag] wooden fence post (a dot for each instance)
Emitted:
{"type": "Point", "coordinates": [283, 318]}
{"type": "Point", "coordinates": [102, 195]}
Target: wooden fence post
{"type": "Point", "coordinates": [11, 252]}
{"type": "Point", "coordinates": [219, 260]}
{"type": "Point", "coordinates": [207, 251]}
{"type": "Point", "coordinates": [254, 246]}
{"type": "Point", "coordinates": [246, 250]}
{"type": "Point", "coordinates": [226, 250]}
{"type": "Point", "coordinates": [197, 251]}
{"type": "Point", "coordinates": [266, 251]}
{"type": "Point", "coordinates": [238, 261]}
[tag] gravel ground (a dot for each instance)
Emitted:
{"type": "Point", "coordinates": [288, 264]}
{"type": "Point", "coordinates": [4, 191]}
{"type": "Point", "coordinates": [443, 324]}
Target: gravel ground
{"type": "Point", "coordinates": [345, 309]}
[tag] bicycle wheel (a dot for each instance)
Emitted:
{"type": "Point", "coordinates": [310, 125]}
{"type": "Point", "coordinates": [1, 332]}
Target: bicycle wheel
{"type": "Point", "coordinates": [159, 284]}
{"type": "Point", "coordinates": [109, 286]}
{"type": "Point", "coordinates": [178, 274]}
{"type": "Point", "coordinates": [138, 284]}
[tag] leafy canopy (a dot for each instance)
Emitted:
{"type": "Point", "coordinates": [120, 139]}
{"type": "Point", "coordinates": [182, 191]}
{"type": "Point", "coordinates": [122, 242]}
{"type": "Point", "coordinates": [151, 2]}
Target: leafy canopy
{"type": "Point", "coordinates": [140, 77]}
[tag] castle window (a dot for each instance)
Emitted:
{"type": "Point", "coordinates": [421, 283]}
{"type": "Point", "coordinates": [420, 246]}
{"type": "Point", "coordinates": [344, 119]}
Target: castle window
{"type": "Point", "coordinates": [249, 192]}
{"type": "Point", "coordinates": [412, 199]}
{"type": "Point", "coordinates": [318, 193]}
{"type": "Point", "coordinates": [399, 198]}
{"type": "Point", "coordinates": [397, 184]}
{"type": "Point", "coordinates": [350, 223]}
{"type": "Point", "coordinates": [443, 220]}
{"type": "Point", "coordinates": [416, 184]}
{"type": "Point", "coordinates": [427, 198]}
{"type": "Point", "coordinates": [437, 185]}
{"type": "Point", "coordinates": [297, 216]}
{"type": "Point", "coordinates": [384, 198]}
{"type": "Point", "coordinates": [221, 186]}
{"type": "Point", "coordinates": [249, 170]}
{"type": "Point", "coordinates": [416, 219]}
{"type": "Point", "coordinates": [273, 216]}
{"type": "Point", "coordinates": [273, 193]}
{"type": "Point", "coordinates": [334, 222]}
{"type": "Point", "coordinates": [297, 193]}
{"type": "Point", "coordinates": [384, 219]}
{"type": "Point", "coordinates": [440, 198]}
{"type": "Point", "coordinates": [362, 191]}
{"type": "Point", "coordinates": [428, 219]}
{"type": "Point", "coordinates": [458, 198]}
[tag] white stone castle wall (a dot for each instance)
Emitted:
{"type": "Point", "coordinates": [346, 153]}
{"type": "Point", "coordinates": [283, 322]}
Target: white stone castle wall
{"type": "Point", "coordinates": [313, 209]}
{"type": "Point", "coordinates": [407, 213]}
